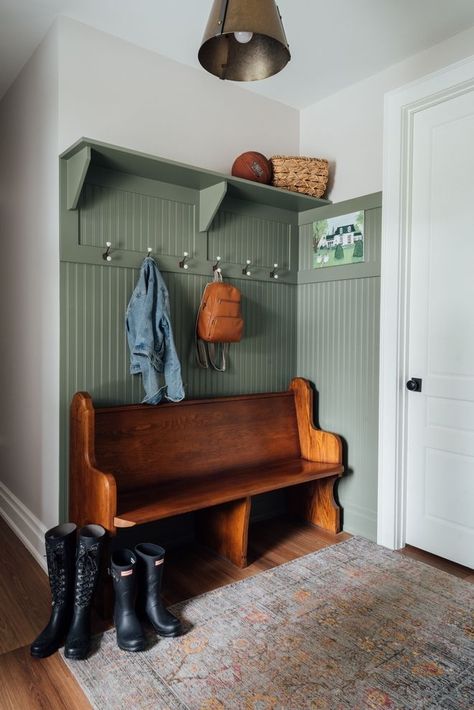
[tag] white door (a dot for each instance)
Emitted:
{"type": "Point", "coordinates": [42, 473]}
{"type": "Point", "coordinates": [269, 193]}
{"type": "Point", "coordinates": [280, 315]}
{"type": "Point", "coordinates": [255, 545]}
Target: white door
{"type": "Point", "coordinates": [440, 418]}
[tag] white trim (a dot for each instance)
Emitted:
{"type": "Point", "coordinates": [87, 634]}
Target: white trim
{"type": "Point", "coordinates": [24, 524]}
{"type": "Point", "coordinates": [401, 106]}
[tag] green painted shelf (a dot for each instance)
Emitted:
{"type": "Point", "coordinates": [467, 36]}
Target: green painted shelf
{"type": "Point", "coordinates": [213, 187]}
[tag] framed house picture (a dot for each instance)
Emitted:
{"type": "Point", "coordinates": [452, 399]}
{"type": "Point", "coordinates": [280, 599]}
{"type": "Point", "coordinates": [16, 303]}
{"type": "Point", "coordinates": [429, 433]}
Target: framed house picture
{"type": "Point", "coordinates": [338, 241]}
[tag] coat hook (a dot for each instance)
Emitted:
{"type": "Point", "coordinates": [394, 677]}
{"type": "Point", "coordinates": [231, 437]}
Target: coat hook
{"type": "Point", "coordinates": [217, 265]}
{"type": "Point", "coordinates": [245, 270]}
{"type": "Point", "coordinates": [148, 251]}
{"type": "Point", "coordinates": [106, 255]}
{"type": "Point", "coordinates": [273, 274]}
{"type": "Point", "coordinates": [182, 263]}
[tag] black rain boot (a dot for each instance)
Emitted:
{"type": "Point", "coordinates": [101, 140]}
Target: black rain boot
{"type": "Point", "coordinates": [89, 548]}
{"type": "Point", "coordinates": [150, 565]}
{"type": "Point", "coordinates": [60, 544]}
{"type": "Point", "coordinates": [130, 634]}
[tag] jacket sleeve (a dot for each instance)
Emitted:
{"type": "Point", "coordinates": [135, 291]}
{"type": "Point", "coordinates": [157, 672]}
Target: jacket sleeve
{"type": "Point", "coordinates": [172, 367]}
{"type": "Point", "coordinates": [145, 338]}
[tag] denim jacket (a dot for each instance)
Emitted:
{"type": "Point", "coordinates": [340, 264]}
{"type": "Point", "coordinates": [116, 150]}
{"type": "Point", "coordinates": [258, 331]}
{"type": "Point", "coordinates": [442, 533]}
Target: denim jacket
{"type": "Point", "coordinates": [150, 338]}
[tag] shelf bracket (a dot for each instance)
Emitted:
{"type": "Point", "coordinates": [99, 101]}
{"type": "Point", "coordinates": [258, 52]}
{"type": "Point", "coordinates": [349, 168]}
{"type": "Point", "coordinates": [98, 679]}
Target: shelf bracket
{"type": "Point", "coordinates": [210, 200]}
{"type": "Point", "coordinates": [77, 168]}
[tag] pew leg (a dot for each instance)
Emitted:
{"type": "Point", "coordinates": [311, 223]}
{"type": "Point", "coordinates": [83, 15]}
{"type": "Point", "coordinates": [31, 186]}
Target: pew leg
{"type": "Point", "coordinates": [224, 528]}
{"type": "Point", "coordinates": [315, 503]}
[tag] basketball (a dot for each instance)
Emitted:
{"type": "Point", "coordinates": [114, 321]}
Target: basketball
{"type": "Point", "coordinates": [253, 166]}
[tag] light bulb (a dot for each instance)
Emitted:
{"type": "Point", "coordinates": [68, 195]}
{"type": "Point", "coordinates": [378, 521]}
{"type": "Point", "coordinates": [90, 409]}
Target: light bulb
{"type": "Point", "coordinates": [243, 37]}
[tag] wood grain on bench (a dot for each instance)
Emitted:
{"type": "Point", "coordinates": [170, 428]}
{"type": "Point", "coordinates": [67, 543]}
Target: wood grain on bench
{"type": "Point", "coordinates": [178, 496]}
{"type": "Point", "coordinates": [134, 464]}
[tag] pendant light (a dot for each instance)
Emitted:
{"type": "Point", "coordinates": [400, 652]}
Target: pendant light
{"type": "Point", "coordinates": [244, 40]}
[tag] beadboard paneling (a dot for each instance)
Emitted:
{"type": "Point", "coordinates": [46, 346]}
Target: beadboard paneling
{"type": "Point", "coordinates": [338, 349]}
{"type": "Point", "coordinates": [133, 221]}
{"type": "Point", "coordinates": [237, 237]}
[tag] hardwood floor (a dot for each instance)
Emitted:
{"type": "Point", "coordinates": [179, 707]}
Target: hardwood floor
{"type": "Point", "coordinates": [32, 684]}
{"type": "Point", "coordinates": [26, 683]}
{"type": "Point", "coordinates": [439, 562]}
{"type": "Point", "coordinates": [194, 570]}
{"type": "Point", "coordinates": [24, 593]}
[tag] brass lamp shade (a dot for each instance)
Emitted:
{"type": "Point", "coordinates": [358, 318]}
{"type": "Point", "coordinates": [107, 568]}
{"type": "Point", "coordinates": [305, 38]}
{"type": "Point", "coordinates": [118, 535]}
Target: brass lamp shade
{"type": "Point", "coordinates": [265, 54]}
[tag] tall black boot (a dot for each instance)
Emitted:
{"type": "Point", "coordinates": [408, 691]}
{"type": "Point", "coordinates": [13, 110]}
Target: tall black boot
{"type": "Point", "coordinates": [123, 568]}
{"type": "Point", "coordinates": [60, 544]}
{"type": "Point", "coordinates": [150, 565]}
{"type": "Point", "coordinates": [89, 548]}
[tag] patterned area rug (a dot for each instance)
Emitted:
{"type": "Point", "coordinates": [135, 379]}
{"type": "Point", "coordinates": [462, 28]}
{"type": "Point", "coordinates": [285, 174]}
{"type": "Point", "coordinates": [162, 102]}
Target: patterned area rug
{"type": "Point", "coordinates": [350, 626]}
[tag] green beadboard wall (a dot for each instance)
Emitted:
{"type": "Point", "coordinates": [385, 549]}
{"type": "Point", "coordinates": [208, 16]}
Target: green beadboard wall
{"type": "Point", "coordinates": [338, 350]}
{"type": "Point", "coordinates": [134, 220]}
{"type": "Point", "coordinates": [95, 355]}
{"type": "Point", "coordinates": [325, 327]}
{"type": "Point", "coordinates": [264, 241]}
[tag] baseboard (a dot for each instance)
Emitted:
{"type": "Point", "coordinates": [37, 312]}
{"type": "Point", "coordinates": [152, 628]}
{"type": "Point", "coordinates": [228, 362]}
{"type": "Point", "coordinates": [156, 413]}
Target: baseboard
{"type": "Point", "coordinates": [360, 521]}
{"type": "Point", "coordinates": [24, 524]}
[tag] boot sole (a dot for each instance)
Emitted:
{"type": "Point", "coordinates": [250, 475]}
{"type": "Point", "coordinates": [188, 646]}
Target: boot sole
{"type": "Point", "coordinates": [45, 654]}
{"type": "Point", "coordinates": [76, 656]}
{"type": "Point", "coordinates": [171, 634]}
{"type": "Point", "coordinates": [131, 650]}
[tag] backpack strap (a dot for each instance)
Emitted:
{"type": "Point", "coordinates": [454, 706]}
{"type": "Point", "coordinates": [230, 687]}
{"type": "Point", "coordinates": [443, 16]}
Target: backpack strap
{"type": "Point", "coordinates": [218, 351]}
{"type": "Point", "coordinates": [202, 356]}
{"type": "Point", "coordinates": [208, 355]}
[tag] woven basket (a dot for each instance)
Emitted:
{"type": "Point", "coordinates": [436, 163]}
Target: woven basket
{"type": "Point", "coordinates": [307, 175]}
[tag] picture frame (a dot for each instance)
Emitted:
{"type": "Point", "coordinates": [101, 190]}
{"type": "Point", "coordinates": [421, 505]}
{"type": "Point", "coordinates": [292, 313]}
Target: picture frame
{"type": "Point", "coordinates": [339, 241]}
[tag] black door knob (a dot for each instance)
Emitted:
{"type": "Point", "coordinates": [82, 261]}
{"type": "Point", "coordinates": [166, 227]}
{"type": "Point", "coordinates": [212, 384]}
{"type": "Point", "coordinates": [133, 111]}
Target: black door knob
{"type": "Point", "coordinates": [414, 385]}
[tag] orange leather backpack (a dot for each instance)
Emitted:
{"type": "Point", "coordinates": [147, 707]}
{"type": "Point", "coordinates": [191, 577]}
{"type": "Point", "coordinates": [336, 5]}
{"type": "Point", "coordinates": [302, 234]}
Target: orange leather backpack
{"type": "Point", "coordinates": [219, 323]}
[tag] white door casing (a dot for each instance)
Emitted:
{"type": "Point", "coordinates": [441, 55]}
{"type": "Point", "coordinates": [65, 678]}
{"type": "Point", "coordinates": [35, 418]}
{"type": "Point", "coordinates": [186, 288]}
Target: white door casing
{"type": "Point", "coordinates": [403, 110]}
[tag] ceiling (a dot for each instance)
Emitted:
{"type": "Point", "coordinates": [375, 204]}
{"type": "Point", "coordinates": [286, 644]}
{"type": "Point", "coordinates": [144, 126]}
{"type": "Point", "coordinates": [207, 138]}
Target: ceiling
{"type": "Point", "coordinates": [333, 44]}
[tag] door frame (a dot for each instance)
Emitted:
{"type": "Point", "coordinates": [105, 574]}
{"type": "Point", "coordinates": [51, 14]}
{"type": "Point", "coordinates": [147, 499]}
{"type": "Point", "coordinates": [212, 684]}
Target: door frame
{"type": "Point", "coordinates": [401, 107]}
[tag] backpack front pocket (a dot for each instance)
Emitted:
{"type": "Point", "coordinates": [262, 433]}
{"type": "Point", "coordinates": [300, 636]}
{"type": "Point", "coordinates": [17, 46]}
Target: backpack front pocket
{"type": "Point", "coordinates": [226, 328]}
{"type": "Point", "coordinates": [228, 308]}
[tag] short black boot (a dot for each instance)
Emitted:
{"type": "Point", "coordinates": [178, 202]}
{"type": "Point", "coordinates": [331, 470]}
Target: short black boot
{"type": "Point", "coordinates": [150, 566]}
{"type": "Point", "coordinates": [89, 548]}
{"type": "Point", "coordinates": [123, 568]}
{"type": "Point", "coordinates": [60, 544]}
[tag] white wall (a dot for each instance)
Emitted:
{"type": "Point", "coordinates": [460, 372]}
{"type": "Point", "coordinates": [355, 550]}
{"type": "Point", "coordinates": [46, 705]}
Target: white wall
{"type": "Point", "coordinates": [119, 93]}
{"type": "Point", "coordinates": [347, 127]}
{"type": "Point", "coordinates": [29, 297]}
